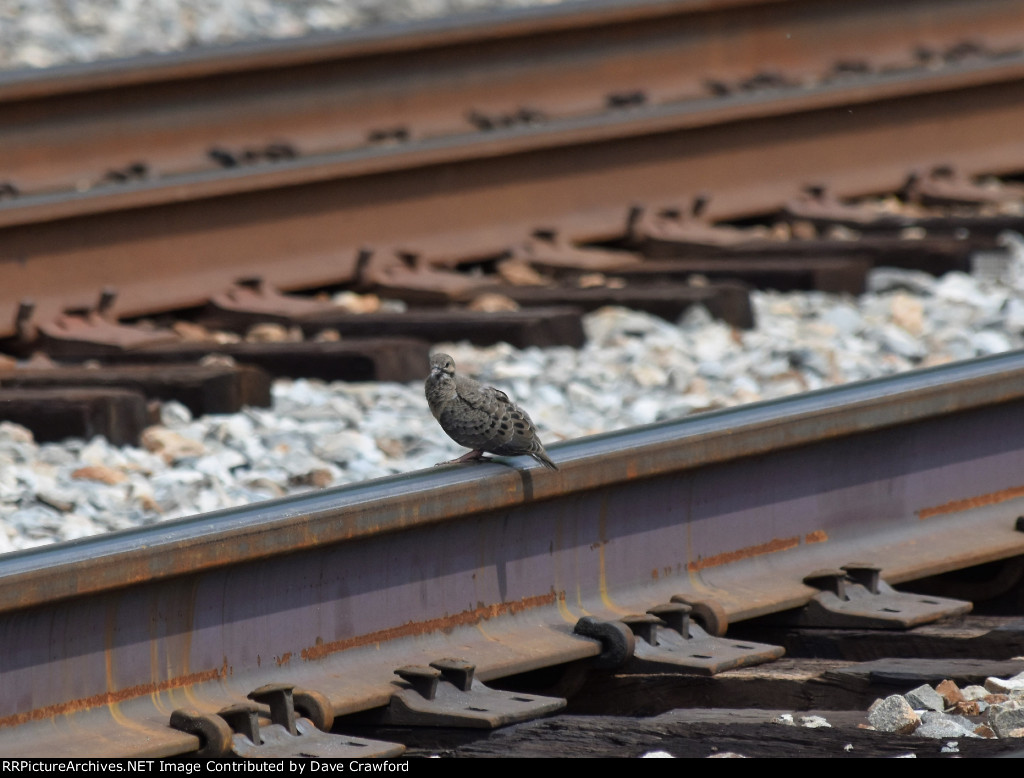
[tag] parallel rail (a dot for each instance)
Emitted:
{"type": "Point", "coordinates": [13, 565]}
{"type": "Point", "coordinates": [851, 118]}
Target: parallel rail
{"type": "Point", "coordinates": [435, 185]}
{"type": "Point", "coordinates": [64, 127]}
{"type": "Point", "coordinates": [102, 638]}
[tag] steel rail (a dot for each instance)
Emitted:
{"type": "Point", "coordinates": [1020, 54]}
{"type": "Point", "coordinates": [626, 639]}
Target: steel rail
{"type": "Point", "coordinates": [100, 639]}
{"type": "Point", "coordinates": [450, 190]}
{"type": "Point", "coordinates": [64, 127]}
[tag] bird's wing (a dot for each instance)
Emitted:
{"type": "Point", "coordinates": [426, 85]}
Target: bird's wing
{"type": "Point", "coordinates": [516, 433]}
{"type": "Point", "coordinates": [478, 397]}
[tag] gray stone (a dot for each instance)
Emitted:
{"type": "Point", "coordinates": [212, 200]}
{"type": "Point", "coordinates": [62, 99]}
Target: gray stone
{"type": "Point", "coordinates": [943, 728]}
{"type": "Point", "coordinates": [346, 447]}
{"type": "Point", "coordinates": [924, 697]}
{"type": "Point", "coordinates": [959, 287]}
{"type": "Point", "coordinates": [174, 415]}
{"type": "Point", "coordinates": [35, 518]}
{"type": "Point", "coordinates": [772, 367]}
{"type": "Point", "coordinates": [990, 342]}
{"type": "Point", "coordinates": [900, 342]}
{"type": "Point", "coordinates": [935, 715]}
{"type": "Point", "coordinates": [814, 722]}
{"type": "Point", "coordinates": [1005, 685]}
{"type": "Point", "coordinates": [887, 279]}
{"type": "Point", "coordinates": [1013, 316]}
{"type": "Point", "coordinates": [894, 714]}
{"type": "Point", "coordinates": [61, 499]}
{"type": "Point", "coordinates": [1004, 720]}
{"type": "Point", "coordinates": [845, 318]}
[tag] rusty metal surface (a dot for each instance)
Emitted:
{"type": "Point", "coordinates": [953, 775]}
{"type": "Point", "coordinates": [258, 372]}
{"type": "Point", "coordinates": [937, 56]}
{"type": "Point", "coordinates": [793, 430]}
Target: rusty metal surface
{"type": "Point", "coordinates": [302, 221]}
{"type": "Point", "coordinates": [493, 565]}
{"type": "Point", "coordinates": [68, 127]}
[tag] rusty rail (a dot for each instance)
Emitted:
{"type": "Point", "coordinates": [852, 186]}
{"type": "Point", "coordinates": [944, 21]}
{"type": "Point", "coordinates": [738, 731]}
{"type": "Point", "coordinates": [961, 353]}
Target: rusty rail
{"type": "Point", "coordinates": [476, 134]}
{"type": "Point", "coordinates": [101, 638]}
{"type": "Point", "coordinates": [67, 128]}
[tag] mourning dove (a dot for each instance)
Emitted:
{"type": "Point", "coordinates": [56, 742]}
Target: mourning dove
{"type": "Point", "coordinates": [480, 417]}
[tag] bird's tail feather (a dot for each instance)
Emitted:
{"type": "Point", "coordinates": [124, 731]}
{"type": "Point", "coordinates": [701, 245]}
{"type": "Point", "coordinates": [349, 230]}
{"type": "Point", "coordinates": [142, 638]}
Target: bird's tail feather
{"type": "Point", "coordinates": [542, 457]}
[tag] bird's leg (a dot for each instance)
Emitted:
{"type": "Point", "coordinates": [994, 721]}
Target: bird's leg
{"type": "Point", "coordinates": [477, 455]}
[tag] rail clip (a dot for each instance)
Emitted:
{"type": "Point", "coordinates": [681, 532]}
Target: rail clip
{"type": "Point", "coordinates": [237, 729]}
{"type": "Point", "coordinates": [89, 332]}
{"type": "Point", "coordinates": [685, 647]}
{"type": "Point", "coordinates": [446, 694]}
{"type": "Point", "coordinates": [855, 596]}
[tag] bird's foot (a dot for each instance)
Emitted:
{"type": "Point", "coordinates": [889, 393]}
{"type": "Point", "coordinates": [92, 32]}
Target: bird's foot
{"type": "Point", "coordinates": [472, 456]}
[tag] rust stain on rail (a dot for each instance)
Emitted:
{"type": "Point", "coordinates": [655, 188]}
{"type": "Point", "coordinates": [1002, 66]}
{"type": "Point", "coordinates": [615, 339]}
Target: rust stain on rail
{"type": "Point", "coordinates": [111, 698]}
{"type": "Point", "coordinates": [979, 501]}
{"type": "Point", "coordinates": [465, 618]}
{"type": "Point", "coordinates": [771, 547]}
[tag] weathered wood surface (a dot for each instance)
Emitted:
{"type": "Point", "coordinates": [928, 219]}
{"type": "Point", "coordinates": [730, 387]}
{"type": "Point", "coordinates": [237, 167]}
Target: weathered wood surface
{"type": "Point", "coordinates": [726, 300]}
{"type": "Point", "coordinates": [966, 650]}
{"type": "Point", "coordinates": [201, 388]}
{"type": "Point", "coordinates": [543, 326]}
{"type": "Point", "coordinates": [978, 637]}
{"type": "Point", "coordinates": [626, 715]}
{"type": "Point", "coordinates": [910, 672]}
{"type": "Point", "coordinates": [363, 359]}
{"type": "Point", "coordinates": [696, 734]}
{"type": "Point", "coordinates": [55, 414]}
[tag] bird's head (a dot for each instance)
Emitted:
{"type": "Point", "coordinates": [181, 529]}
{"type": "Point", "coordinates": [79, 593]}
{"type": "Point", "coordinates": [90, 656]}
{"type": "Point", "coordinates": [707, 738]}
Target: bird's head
{"type": "Point", "coordinates": [442, 365]}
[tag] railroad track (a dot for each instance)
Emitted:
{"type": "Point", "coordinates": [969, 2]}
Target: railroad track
{"type": "Point", "coordinates": [217, 181]}
{"type": "Point", "coordinates": [147, 186]}
{"type": "Point", "coordinates": [123, 196]}
{"type": "Point", "coordinates": [735, 513]}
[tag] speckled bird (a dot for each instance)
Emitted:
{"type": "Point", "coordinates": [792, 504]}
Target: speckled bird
{"type": "Point", "coordinates": [480, 417]}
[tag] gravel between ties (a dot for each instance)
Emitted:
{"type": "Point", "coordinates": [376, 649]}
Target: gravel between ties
{"type": "Point", "coordinates": [47, 33]}
{"type": "Point", "coordinates": [634, 369]}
